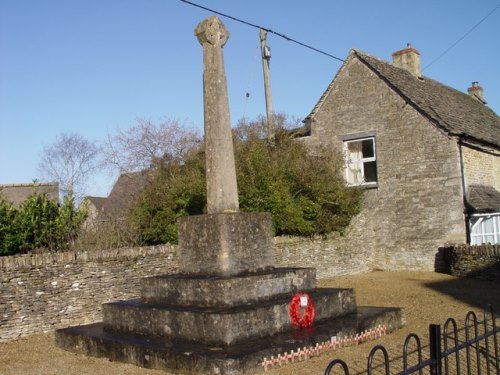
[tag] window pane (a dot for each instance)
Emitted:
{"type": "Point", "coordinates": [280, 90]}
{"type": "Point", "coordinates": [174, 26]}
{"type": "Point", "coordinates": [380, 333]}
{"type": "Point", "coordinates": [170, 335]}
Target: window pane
{"type": "Point", "coordinates": [490, 239]}
{"type": "Point", "coordinates": [484, 229]}
{"type": "Point", "coordinates": [476, 225]}
{"type": "Point", "coordinates": [476, 240]}
{"type": "Point", "coordinates": [488, 225]}
{"type": "Point", "coordinates": [370, 171]}
{"type": "Point", "coordinates": [368, 151]}
{"type": "Point", "coordinates": [361, 166]}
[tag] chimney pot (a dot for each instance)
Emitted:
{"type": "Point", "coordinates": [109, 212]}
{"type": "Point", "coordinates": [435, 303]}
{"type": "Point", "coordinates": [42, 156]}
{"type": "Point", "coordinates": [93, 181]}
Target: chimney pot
{"type": "Point", "coordinates": [476, 92]}
{"type": "Point", "coordinates": [408, 59]}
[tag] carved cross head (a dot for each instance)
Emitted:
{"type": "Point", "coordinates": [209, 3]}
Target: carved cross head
{"type": "Point", "coordinates": [211, 30]}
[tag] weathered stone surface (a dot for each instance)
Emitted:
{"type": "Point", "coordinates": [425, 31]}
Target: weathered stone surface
{"type": "Point", "coordinates": [477, 261]}
{"type": "Point", "coordinates": [418, 204]}
{"type": "Point", "coordinates": [116, 274]}
{"type": "Point", "coordinates": [225, 244]}
{"type": "Point", "coordinates": [223, 291]}
{"type": "Point", "coordinates": [222, 191]}
{"type": "Point", "coordinates": [221, 326]}
{"type": "Point", "coordinates": [481, 168]}
{"type": "Point", "coordinates": [42, 292]}
{"type": "Point", "coordinates": [195, 358]}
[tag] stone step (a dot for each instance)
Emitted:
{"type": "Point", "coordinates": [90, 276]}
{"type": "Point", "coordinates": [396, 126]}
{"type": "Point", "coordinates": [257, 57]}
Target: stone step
{"type": "Point", "coordinates": [221, 325]}
{"type": "Point", "coordinates": [220, 291]}
{"type": "Point", "coordinates": [246, 357]}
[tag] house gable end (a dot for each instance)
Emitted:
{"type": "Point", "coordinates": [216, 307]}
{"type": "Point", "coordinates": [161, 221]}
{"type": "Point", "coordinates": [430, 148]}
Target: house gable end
{"type": "Point", "coordinates": [310, 117]}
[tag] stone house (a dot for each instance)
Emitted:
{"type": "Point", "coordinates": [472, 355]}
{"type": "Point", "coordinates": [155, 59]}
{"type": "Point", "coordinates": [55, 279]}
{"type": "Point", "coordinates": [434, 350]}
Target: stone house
{"type": "Point", "coordinates": [427, 155]}
{"type": "Point", "coordinates": [120, 202]}
{"type": "Point", "coordinates": [18, 193]}
{"type": "Point", "coordinates": [93, 207]}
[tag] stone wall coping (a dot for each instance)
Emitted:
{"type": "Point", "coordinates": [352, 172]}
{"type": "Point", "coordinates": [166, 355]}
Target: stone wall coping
{"type": "Point", "coordinates": [43, 259]}
{"type": "Point", "coordinates": [484, 249]}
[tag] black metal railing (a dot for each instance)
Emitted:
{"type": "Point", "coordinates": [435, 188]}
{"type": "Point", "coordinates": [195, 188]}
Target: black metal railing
{"type": "Point", "coordinates": [472, 350]}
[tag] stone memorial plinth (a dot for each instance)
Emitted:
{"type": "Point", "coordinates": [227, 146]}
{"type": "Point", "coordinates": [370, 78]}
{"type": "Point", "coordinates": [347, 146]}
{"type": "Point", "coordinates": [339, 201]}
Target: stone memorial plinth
{"type": "Point", "coordinates": [228, 308]}
{"type": "Point", "coordinates": [225, 243]}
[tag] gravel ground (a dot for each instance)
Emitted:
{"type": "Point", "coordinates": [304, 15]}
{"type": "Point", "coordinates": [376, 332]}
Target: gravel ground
{"type": "Point", "coordinates": [426, 297]}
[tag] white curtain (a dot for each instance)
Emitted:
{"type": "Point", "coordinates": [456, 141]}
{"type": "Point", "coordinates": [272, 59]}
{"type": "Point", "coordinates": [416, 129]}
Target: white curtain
{"type": "Point", "coordinates": [354, 163]}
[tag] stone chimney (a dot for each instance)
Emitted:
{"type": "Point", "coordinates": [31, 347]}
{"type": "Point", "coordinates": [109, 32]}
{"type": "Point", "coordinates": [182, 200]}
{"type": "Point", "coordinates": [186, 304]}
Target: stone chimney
{"type": "Point", "coordinates": [476, 92]}
{"type": "Point", "coordinates": [409, 59]}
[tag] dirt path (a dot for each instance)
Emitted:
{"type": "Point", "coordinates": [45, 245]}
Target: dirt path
{"type": "Point", "coordinates": [426, 297]}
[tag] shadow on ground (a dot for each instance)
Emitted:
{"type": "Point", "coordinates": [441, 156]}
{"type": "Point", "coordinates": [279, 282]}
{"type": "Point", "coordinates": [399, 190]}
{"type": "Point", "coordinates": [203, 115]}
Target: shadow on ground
{"type": "Point", "coordinates": [474, 292]}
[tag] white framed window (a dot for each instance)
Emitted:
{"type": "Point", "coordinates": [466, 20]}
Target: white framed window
{"type": "Point", "coordinates": [484, 228]}
{"type": "Point", "coordinates": [361, 161]}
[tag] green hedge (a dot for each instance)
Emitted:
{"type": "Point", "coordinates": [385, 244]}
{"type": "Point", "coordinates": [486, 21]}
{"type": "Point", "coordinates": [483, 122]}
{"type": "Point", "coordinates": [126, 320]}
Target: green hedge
{"type": "Point", "coordinates": [38, 223]}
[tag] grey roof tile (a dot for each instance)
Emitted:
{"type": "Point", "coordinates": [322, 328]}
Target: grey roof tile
{"type": "Point", "coordinates": [482, 198]}
{"type": "Point", "coordinates": [453, 111]}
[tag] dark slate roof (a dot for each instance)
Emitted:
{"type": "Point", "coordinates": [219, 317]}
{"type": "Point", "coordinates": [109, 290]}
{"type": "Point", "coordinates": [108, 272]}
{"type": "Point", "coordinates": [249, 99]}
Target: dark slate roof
{"type": "Point", "coordinates": [455, 112]}
{"type": "Point", "coordinates": [482, 198]}
{"type": "Point", "coordinates": [18, 193]}
{"type": "Point", "coordinates": [124, 195]}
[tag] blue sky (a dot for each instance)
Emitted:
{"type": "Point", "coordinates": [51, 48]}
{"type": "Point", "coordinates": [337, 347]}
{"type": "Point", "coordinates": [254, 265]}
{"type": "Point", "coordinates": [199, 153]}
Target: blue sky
{"type": "Point", "coordinates": [92, 67]}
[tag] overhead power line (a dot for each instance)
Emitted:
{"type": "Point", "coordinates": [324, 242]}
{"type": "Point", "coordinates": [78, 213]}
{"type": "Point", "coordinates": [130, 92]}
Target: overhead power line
{"type": "Point", "coordinates": [462, 37]}
{"type": "Point", "coordinates": [263, 28]}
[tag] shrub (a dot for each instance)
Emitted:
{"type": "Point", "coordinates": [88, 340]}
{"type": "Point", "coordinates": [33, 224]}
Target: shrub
{"type": "Point", "coordinates": [177, 189]}
{"type": "Point", "coordinates": [38, 223]}
{"type": "Point", "coordinates": [8, 241]}
{"type": "Point", "coordinates": [305, 193]}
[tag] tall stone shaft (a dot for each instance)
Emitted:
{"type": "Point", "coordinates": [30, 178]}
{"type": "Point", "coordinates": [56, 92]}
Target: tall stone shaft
{"type": "Point", "coordinates": [222, 190]}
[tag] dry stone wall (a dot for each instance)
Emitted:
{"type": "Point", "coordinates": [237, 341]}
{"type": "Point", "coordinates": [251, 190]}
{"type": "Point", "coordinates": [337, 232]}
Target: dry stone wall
{"type": "Point", "coordinates": [329, 255]}
{"type": "Point", "coordinates": [478, 261]}
{"type": "Point", "coordinates": [42, 292]}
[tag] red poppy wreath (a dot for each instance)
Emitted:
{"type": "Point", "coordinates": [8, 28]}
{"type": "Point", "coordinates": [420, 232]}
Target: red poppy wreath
{"type": "Point", "coordinates": [298, 300]}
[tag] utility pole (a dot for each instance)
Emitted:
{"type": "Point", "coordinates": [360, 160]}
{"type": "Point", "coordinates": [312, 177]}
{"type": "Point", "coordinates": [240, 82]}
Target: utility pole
{"type": "Point", "coordinates": [266, 56]}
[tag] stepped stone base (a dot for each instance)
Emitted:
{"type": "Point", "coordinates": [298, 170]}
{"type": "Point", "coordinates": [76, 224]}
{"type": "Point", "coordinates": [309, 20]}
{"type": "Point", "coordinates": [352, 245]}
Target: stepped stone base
{"type": "Point", "coordinates": [224, 291]}
{"type": "Point", "coordinates": [221, 326]}
{"type": "Point", "coordinates": [246, 357]}
{"type": "Point", "coordinates": [226, 310]}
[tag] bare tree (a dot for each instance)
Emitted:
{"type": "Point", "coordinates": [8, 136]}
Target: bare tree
{"type": "Point", "coordinates": [147, 143]}
{"type": "Point", "coordinates": [70, 160]}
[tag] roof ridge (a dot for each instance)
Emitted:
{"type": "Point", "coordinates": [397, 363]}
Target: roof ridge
{"type": "Point", "coordinates": [427, 95]}
{"type": "Point", "coordinates": [33, 184]}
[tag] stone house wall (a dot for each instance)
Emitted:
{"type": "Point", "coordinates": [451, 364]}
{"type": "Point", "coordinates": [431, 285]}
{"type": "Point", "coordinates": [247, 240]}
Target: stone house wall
{"type": "Point", "coordinates": [417, 205]}
{"type": "Point", "coordinates": [481, 168]}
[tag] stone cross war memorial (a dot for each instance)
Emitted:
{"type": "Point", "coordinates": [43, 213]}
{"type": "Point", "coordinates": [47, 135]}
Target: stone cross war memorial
{"type": "Point", "coordinates": [229, 308]}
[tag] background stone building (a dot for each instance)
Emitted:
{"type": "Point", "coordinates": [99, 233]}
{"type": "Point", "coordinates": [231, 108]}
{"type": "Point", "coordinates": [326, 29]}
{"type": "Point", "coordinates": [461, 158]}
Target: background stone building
{"type": "Point", "coordinates": [427, 154]}
{"type": "Point", "coordinates": [18, 193]}
{"type": "Point", "coordinates": [119, 204]}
